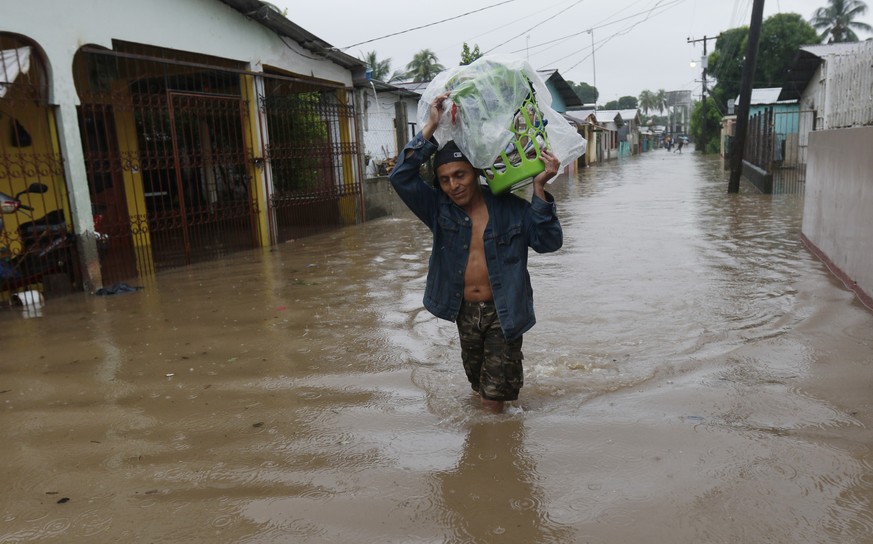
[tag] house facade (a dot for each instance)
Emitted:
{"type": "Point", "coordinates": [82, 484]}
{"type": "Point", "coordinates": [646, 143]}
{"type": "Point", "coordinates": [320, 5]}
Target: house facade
{"type": "Point", "coordinates": [612, 123]}
{"type": "Point", "coordinates": [632, 132]}
{"type": "Point", "coordinates": [837, 84]}
{"type": "Point", "coordinates": [563, 96]}
{"type": "Point", "coordinates": [586, 124]}
{"type": "Point", "coordinates": [163, 142]}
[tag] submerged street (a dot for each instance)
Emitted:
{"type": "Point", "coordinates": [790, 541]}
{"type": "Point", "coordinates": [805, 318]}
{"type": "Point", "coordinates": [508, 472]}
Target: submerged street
{"type": "Point", "coordinates": [695, 375]}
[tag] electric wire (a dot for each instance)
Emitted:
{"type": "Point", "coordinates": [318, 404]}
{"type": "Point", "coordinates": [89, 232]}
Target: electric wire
{"type": "Point", "coordinates": [501, 27]}
{"type": "Point", "coordinates": [427, 25]}
{"type": "Point", "coordinates": [533, 27]}
{"type": "Point", "coordinates": [601, 43]}
{"type": "Point", "coordinates": [597, 26]}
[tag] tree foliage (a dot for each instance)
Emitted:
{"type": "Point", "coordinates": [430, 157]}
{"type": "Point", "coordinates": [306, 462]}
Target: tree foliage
{"type": "Point", "coordinates": [468, 55]}
{"type": "Point", "coordinates": [781, 36]}
{"type": "Point", "coordinates": [708, 131]}
{"type": "Point", "coordinates": [379, 69]}
{"type": "Point", "coordinates": [424, 66]}
{"type": "Point", "coordinates": [587, 93]}
{"type": "Point", "coordinates": [726, 63]}
{"type": "Point", "coordinates": [627, 103]}
{"type": "Point", "coordinates": [294, 123]}
{"type": "Point", "coordinates": [623, 103]}
{"type": "Point", "coordinates": [661, 100]}
{"type": "Point", "coordinates": [654, 120]}
{"type": "Point", "coordinates": [837, 20]}
{"type": "Point", "coordinates": [647, 101]}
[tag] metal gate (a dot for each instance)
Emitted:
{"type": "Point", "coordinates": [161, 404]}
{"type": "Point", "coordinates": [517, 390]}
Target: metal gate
{"type": "Point", "coordinates": [313, 159]}
{"type": "Point", "coordinates": [167, 147]}
{"type": "Point", "coordinates": [169, 141]}
{"type": "Point", "coordinates": [196, 183]}
{"type": "Point", "coordinates": [777, 143]}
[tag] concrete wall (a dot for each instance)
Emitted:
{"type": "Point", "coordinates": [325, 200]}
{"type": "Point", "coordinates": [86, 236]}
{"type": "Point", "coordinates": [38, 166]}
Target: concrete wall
{"type": "Point", "coordinates": [837, 218]}
{"type": "Point", "coordinates": [758, 177]}
{"type": "Point", "coordinates": [380, 199]}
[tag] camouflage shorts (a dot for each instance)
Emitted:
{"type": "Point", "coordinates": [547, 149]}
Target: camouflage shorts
{"type": "Point", "coordinates": [493, 366]}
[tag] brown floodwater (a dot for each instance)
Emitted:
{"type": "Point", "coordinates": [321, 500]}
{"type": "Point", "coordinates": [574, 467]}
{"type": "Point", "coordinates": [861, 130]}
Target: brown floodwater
{"type": "Point", "coordinates": [695, 376]}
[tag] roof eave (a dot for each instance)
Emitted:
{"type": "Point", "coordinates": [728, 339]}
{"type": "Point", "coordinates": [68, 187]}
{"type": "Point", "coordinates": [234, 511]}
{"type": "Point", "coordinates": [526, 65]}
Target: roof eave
{"type": "Point", "coordinates": [797, 77]}
{"type": "Point", "coordinates": [266, 15]}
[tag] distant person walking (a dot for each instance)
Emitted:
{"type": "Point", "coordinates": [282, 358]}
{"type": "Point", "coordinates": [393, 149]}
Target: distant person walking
{"type": "Point", "coordinates": [679, 146]}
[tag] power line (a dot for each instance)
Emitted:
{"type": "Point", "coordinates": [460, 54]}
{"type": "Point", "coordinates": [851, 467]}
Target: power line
{"type": "Point", "coordinates": [427, 25]}
{"type": "Point", "coordinates": [597, 27]}
{"type": "Point", "coordinates": [533, 27]}
{"type": "Point", "coordinates": [623, 31]}
{"type": "Point", "coordinates": [503, 26]}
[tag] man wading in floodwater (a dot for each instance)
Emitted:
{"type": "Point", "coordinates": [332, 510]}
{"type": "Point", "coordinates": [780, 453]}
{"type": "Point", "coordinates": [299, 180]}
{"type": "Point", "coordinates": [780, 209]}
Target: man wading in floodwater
{"type": "Point", "coordinates": [477, 274]}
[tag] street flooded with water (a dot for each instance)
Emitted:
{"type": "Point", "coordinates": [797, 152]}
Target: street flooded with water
{"type": "Point", "coordinates": [695, 375]}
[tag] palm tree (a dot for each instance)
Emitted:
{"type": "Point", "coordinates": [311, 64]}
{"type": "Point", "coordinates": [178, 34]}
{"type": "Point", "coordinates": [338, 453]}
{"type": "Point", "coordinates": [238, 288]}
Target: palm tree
{"type": "Point", "coordinates": [662, 105]}
{"type": "Point", "coordinates": [647, 101]}
{"type": "Point", "coordinates": [837, 20]}
{"type": "Point", "coordinates": [379, 69]}
{"type": "Point", "coordinates": [424, 66]}
{"type": "Point", "coordinates": [661, 101]}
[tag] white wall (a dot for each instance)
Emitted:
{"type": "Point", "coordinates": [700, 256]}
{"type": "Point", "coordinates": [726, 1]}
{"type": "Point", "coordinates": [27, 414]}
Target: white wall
{"type": "Point", "coordinates": [849, 89]}
{"type": "Point", "coordinates": [202, 26]}
{"type": "Point", "coordinates": [838, 206]}
{"type": "Point", "coordinates": [412, 113]}
{"type": "Point", "coordinates": [379, 134]}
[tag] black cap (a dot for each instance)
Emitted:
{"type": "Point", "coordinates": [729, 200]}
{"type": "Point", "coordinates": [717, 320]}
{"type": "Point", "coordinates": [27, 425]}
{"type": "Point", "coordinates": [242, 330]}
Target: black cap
{"type": "Point", "coordinates": [449, 153]}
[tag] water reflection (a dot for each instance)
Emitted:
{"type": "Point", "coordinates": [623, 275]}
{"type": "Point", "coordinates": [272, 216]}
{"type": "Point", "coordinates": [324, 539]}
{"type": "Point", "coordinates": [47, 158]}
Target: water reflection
{"type": "Point", "coordinates": [493, 495]}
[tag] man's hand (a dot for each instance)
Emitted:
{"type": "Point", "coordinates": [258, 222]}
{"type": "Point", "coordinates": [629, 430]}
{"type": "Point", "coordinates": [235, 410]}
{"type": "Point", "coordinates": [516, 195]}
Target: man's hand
{"type": "Point", "coordinates": [435, 113]}
{"type": "Point", "coordinates": [552, 164]}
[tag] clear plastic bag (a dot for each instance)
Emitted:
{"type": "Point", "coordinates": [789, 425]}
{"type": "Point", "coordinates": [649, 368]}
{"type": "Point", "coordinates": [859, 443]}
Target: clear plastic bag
{"type": "Point", "coordinates": [485, 98]}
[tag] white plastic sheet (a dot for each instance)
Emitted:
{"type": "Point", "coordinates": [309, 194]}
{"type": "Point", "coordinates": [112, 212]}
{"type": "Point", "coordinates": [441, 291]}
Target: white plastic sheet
{"type": "Point", "coordinates": [12, 63]}
{"type": "Point", "coordinates": [485, 96]}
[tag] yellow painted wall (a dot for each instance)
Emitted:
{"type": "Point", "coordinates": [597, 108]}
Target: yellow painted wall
{"type": "Point", "coordinates": [125, 132]}
{"type": "Point", "coordinates": [40, 162]}
{"type": "Point", "coordinates": [251, 136]}
{"type": "Point", "coordinates": [347, 204]}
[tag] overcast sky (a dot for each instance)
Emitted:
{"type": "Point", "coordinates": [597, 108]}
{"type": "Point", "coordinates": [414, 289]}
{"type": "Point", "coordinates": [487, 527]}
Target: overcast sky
{"type": "Point", "coordinates": [638, 44]}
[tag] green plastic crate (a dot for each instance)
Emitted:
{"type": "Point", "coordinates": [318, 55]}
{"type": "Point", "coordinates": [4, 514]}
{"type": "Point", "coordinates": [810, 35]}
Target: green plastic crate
{"type": "Point", "coordinates": [521, 161]}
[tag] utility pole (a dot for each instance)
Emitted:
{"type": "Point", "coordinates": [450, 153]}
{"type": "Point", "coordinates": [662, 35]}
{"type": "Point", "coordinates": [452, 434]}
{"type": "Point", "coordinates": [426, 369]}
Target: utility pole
{"type": "Point", "coordinates": [593, 66]}
{"type": "Point", "coordinates": [702, 141]}
{"type": "Point", "coordinates": [742, 125]}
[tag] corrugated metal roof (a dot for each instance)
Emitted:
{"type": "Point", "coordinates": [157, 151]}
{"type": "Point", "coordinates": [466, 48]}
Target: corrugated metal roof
{"type": "Point", "coordinates": [609, 116]}
{"type": "Point", "coordinates": [821, 50]}
{"type": "Point", "coordinates": [769, 95]}
{"type": "Point", "coordinates": [580, 116]}
{"type": "Point", "coordinates": [412, 86]}
{"type": "Point", "coordinates": [568, 95]}
{"type": "Point", "coordinates": [806, 62]}
{"type": "Point", "coordinates": [381, 86]}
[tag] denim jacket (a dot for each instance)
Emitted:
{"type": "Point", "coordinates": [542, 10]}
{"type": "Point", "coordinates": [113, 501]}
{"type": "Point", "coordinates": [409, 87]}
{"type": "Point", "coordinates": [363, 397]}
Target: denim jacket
{"type": "Point", "coordinates": [514, 224]}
